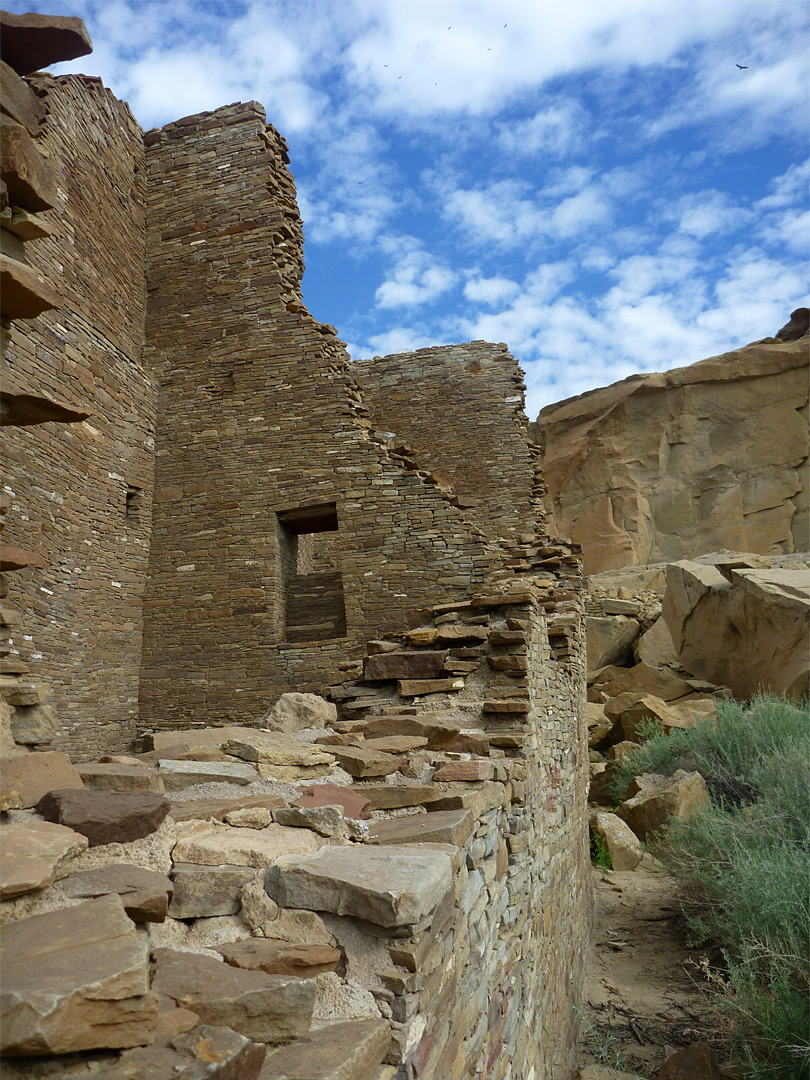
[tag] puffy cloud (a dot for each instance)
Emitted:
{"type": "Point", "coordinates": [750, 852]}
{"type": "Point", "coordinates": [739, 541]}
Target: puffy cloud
{"type": "Point", "coordinates": [416, 278]}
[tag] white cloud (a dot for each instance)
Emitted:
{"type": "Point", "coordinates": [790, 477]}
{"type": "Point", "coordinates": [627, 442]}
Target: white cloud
{"type": "Point", "coordinates": [556, 129]}
{"type": "Point", "coordinates": [417, 277]}
{"type": "Point", "coordinates": [492, 290]}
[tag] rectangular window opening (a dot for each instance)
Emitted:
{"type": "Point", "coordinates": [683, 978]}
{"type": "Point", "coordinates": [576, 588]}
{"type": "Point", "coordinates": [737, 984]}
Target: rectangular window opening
{"type": "Point", "coordinates": [134, 501]}
{"type": "Point", "coordinates": [313, 603]}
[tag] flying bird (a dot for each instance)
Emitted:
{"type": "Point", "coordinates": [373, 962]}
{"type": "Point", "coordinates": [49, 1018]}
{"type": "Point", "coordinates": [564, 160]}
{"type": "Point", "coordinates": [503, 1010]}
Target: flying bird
{"type": "Point", "coordinates": [742, 67]}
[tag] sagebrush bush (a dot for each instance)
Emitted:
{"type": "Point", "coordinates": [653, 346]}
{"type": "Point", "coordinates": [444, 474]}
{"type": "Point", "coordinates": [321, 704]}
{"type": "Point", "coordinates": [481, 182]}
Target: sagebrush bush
{"type": "Point", "coordinates": [745, 862]}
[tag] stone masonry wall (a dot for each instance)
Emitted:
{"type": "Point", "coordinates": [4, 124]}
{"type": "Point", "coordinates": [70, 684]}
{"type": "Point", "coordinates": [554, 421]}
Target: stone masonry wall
{"type": "Point", "coordinates": [261, 416]}
{"type": "Point", "coordinates": [461, 408]}
{"type": "Point", "coordinates": [490, 978]}
{"type": "Point", "coordinates": [81, 493]}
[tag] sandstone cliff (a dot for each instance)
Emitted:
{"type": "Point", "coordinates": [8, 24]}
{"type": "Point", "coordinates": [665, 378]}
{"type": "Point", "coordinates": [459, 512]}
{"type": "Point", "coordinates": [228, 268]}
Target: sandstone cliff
{"type": "Point", "coordinates": [662, 467]}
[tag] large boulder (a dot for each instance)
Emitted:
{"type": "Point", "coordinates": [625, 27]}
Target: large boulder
{"type": "Point", "coordinates": [741, 627]}
{"type": "Point", "coordinates": [662, 798]}
{"type": "Point", "coordinates": [609, 639]}
{"type": "Point", "coordinates": [620, 841]}
{"type": "Point", "coordinates": [294, 712]}
{"type": "Point", "coordinates": [661, 467]}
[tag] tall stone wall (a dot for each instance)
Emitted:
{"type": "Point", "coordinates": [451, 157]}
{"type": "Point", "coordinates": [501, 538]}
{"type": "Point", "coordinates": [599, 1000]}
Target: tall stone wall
{"type": "Point", "coordinates": [668, 466]}
{"type": "Point", "coordinates": [81, 494]}
{"type": "Point", "coordinates": [263, 438]}
{"type": "Point", "coordinates": [460, 407]}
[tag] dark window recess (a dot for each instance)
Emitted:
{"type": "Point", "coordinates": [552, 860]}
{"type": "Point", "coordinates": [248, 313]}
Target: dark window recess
{"type": "Point", "coordinates": [134, 503]}
{"type": "Point", "coordinates": [314, 609]}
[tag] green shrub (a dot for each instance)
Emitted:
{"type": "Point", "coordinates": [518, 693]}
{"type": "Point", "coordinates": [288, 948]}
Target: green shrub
{"type": "Point", "coordinates": [600, 856]}
{"type": "Point", "coordinates": [745, 862]}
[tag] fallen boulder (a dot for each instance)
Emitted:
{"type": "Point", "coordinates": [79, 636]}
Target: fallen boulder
{"type": "Point", "coordinates": [105, 817]}
{"type": "Point", "coordinates": [662, 798]}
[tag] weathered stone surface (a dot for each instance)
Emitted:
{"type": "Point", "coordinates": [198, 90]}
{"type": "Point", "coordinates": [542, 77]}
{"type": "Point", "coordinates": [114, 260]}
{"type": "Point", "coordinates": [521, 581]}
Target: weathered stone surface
{"type": "Point", "coordinates": [748, 633]}
{"type": "Point", "coordinates": [273, 752]}
{"type": "Point", "coordinates": [281, 957]}
{"type": "Point", "coordinates": [654, 648]}
{"type": "Point", "coordinates": [32, 41]}
{"type": "Point", "coordinates": [212, 845]}
{"type": "Point", "coordinates": [620, 841]}
{"type": "Point", "coordinates": [250, 817]}
{"type": "Point", "coordinates": [677, 796]}
{"type": "Point", "coordinates": [641, 679]}
{"type": "Point", "coordinates": [348, 1051]}
{"type": "Point", "coordinates": [34, 775]}
{"type": "Point", "coordinates": [359, 762]}
{"type": "Point", "coordinates": [599, 725]}
{"type": "Point", "coordinates": [105, 817]}
{"type": "Point", "coordinates": [23, 692]}
{"type": "Point", "coordinates": [417, 687]}
{"type": "Point", "coordinates": [467, 771]}
{"type": "Point", "coordinates": [441, 827]}
{"type": "Point", "coordinates": [324, 820]}
{"type": "Point", "coordinates": [34, 854]}
{"type": "Point", "coordinates": [623, 749]}
{"type": "Point", "coordinates": [113, 776]}
{"type": "Point", "coordinates": [205, 891]}
{"type": "Point", "coordinates": [33, 725]}
{"type": "Point", "coordinates": [396, 744]}
{"type": "Point", "coordinates": [203, 1053]}
{"type": "Point", "coordinates": [180, 774]}
{"type": "Point", "coordinates": [144, 893]}
{"type": "Point", "coordinates": [30, 180]}
{"type": "Point", "coordinates": [268, 1008]}
{"type": "Point", "coordinates": [19, 101]}
{"type": "Point", "coordinates": [356, 804]}
{"type": "Point", "coordinates": [438, 730]}
{"type": "Point", "coordinates": [609, 639]}
{"type": "Point", "coordinates": [663, 467]}
{"type": "Point", "coordinates": [217, 809]}
{"type": "Point", "coordinates": [404, 665]}
{"type": "Point", "coordinates": [75, 979]}
{"type": "Point", "coordinates": [394, 796]}
{"type": "Point", "coordinates": [191, 737]}
{"type": "Point", "coordinates": [669, 716]}
{"type": "Point", "coordinates": [381, 884]}
{"type": "Point", "coordinates": [294, 712]}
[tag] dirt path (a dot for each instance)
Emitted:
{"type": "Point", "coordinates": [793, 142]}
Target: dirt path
{"type": "Point", "coordinates": [639, 996]}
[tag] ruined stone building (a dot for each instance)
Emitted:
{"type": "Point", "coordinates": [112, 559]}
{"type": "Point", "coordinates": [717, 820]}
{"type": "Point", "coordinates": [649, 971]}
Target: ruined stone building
{"type": "Point", "coordinates": [235, 510]}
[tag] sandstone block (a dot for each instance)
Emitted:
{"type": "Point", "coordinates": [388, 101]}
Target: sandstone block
{"type": "Point", "coordinates": [381, 884]}
{"type": "Point", "coordinates": [355, 803]}
{"type": "Point", "coordinates": [620, 841]}
{"type": "Point", "coordinates": [250, 817]}
{"type": "Point", "coordinates": [17, 692]}
{"type": "Point", "coordinates": [32, 41]}
{"type": "Point", "coordinates": [404, 665]}
{"type": "Point", "coordinates": [677, 796]}
{"type": "Point", "coordinates": [655, 648]}
{"type": "Point", "coordinates": [359, 762]}
{"type": "Point", "coordinates": [105, 817]}
{"type": "Point", "coordinates": [19, 101]}
{"type": "Point", "coordinates": [294, 712]}
{"type": "Point", "coordinates": [464, 771]}
{"type": "Point", "coordinates": [609, 639]}
{"type": "Point", "coordinates": [599, 725]}
{"type": "Point", "coordinates": [33, 725]}
{"type": "Point", "coordinates": [273, 748]}
{"type": "Point", "coordinates": [324, 820]}
{"type": "Point", "coordinates": [75, 979]}
{"type": "Point", "coordinates": [348, 1051]}
{"type": "Point", "coordinates": [417, 687]}
{"type": "Point", "coordinates": [144, 893]}
{"type": "Point", "coordinates": [23, 295]}
{"type": "Point", "coordinates": [179, 774]}
{"type": "Point", "coordinates": [438, 730]}
{"type": "Point", "coordinates": [203, 1053]}
{"type": "Point", "coordinates": [34, 775]}
{"type": "Point", "coordinates": [268, 1008]}
{"type": "Point", "coordinates": [396, 744]}
{"type": "Point", "coordinates": [441, 827]}
{"type": "Point", "coordinates": [218, 809]}
{"type": "Point", "coordinates": [34, 853]}
{"type": "Point", "coordinates": [206, 891]}
{"type": "Point", "coordinates": [694, 1062]}
{"type": "Point", "coordinates": [642, 679]}
{"type": "Point", "coordinates": [213, 846]}
{"type": "Point", "coordinates": [394, 796]}
{"type": "Point", "coordinates": [281, 957]}
{"type": "Point", "coordinates": [113, 776]}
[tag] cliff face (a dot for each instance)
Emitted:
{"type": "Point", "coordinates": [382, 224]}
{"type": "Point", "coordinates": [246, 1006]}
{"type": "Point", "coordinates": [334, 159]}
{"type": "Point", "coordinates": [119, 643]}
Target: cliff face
{"type": "Point", "coordinates": [667, 466]}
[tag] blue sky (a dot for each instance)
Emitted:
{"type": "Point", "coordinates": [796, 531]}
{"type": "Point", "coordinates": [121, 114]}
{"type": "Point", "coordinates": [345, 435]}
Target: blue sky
{"type": "Point", "coordinates": [594, 182]}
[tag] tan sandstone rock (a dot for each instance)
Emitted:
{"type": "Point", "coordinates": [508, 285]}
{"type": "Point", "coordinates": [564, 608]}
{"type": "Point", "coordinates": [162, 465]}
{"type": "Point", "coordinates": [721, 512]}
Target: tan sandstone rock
{"type": "Point", "coordinates": [294, 712]}
{"type": "Point", "coordinates": [662, 798]}
{"type": "Point", "coordinates": [621, 842]}
{"type": "Point", "coordinates": [348, 1051]}
{"type": "Point", "coordinates": [75, 979]}
{"type": "Point", "coordinates": [34, 853]}
{"type": "Point", "coordinates": [747, 629]}
{"type": "Point", "coordinates": [667, 466]}
{"type": "Point", "coordinates": [212, 845]}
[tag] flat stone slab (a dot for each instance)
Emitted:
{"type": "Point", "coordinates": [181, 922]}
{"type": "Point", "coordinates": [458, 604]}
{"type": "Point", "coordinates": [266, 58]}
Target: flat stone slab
{"type": "Point", "coordinates": [204, 1053]}
{"type": "Point", "coordinates": [213, 846]}
{"type": "Point", "coordinates": [105, 817]}
{"type": "Point", "coordinates": [355, 804]}
{"type": "Point", "coordinates": [438, 730]}
{"type": "Point", "coordinates": [113, 776]}
{"type": "Point", "coordinates": [75, 979]}
{"type": "Point", "coordinates": [403, 665]}
{"type": "Point", "coordinates": [179, 774]}
{"type": "Point", "coordinates": [276, 748]}
{"type": "Point", "coordinates": [144, 893]}
{"type": "Point", "coordinates": [34, 853]}
{"type": "Point", "coordinates": [268, 1008]}
{"type": "Point", "coordinates": [359, 762]}
{"type": "Point", "coordinates": [394, 796]}
{"type": "Point", "coordinates": [381, 884]}
{"type": "Point", "coordinates": [281, 957]}
{"type": "Point", "coordinates": [190, 737]}
{"type": "Point", "coordinates": [216, 809]}
{"type": "Point", "coordinates": [32, 41]}
{"type": "Point", "coordinates": [348, 1051]}
{"type": "Point", "coordinates": [34, 775]}
{"type": "Point", "coordinates": [205, 891]}
{"type": "Point", "coordinates": [441, 827]}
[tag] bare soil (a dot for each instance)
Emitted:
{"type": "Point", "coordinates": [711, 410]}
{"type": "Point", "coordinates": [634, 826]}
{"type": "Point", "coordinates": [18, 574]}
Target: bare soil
{"type": "Point", "coordinates": [644, 994]}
